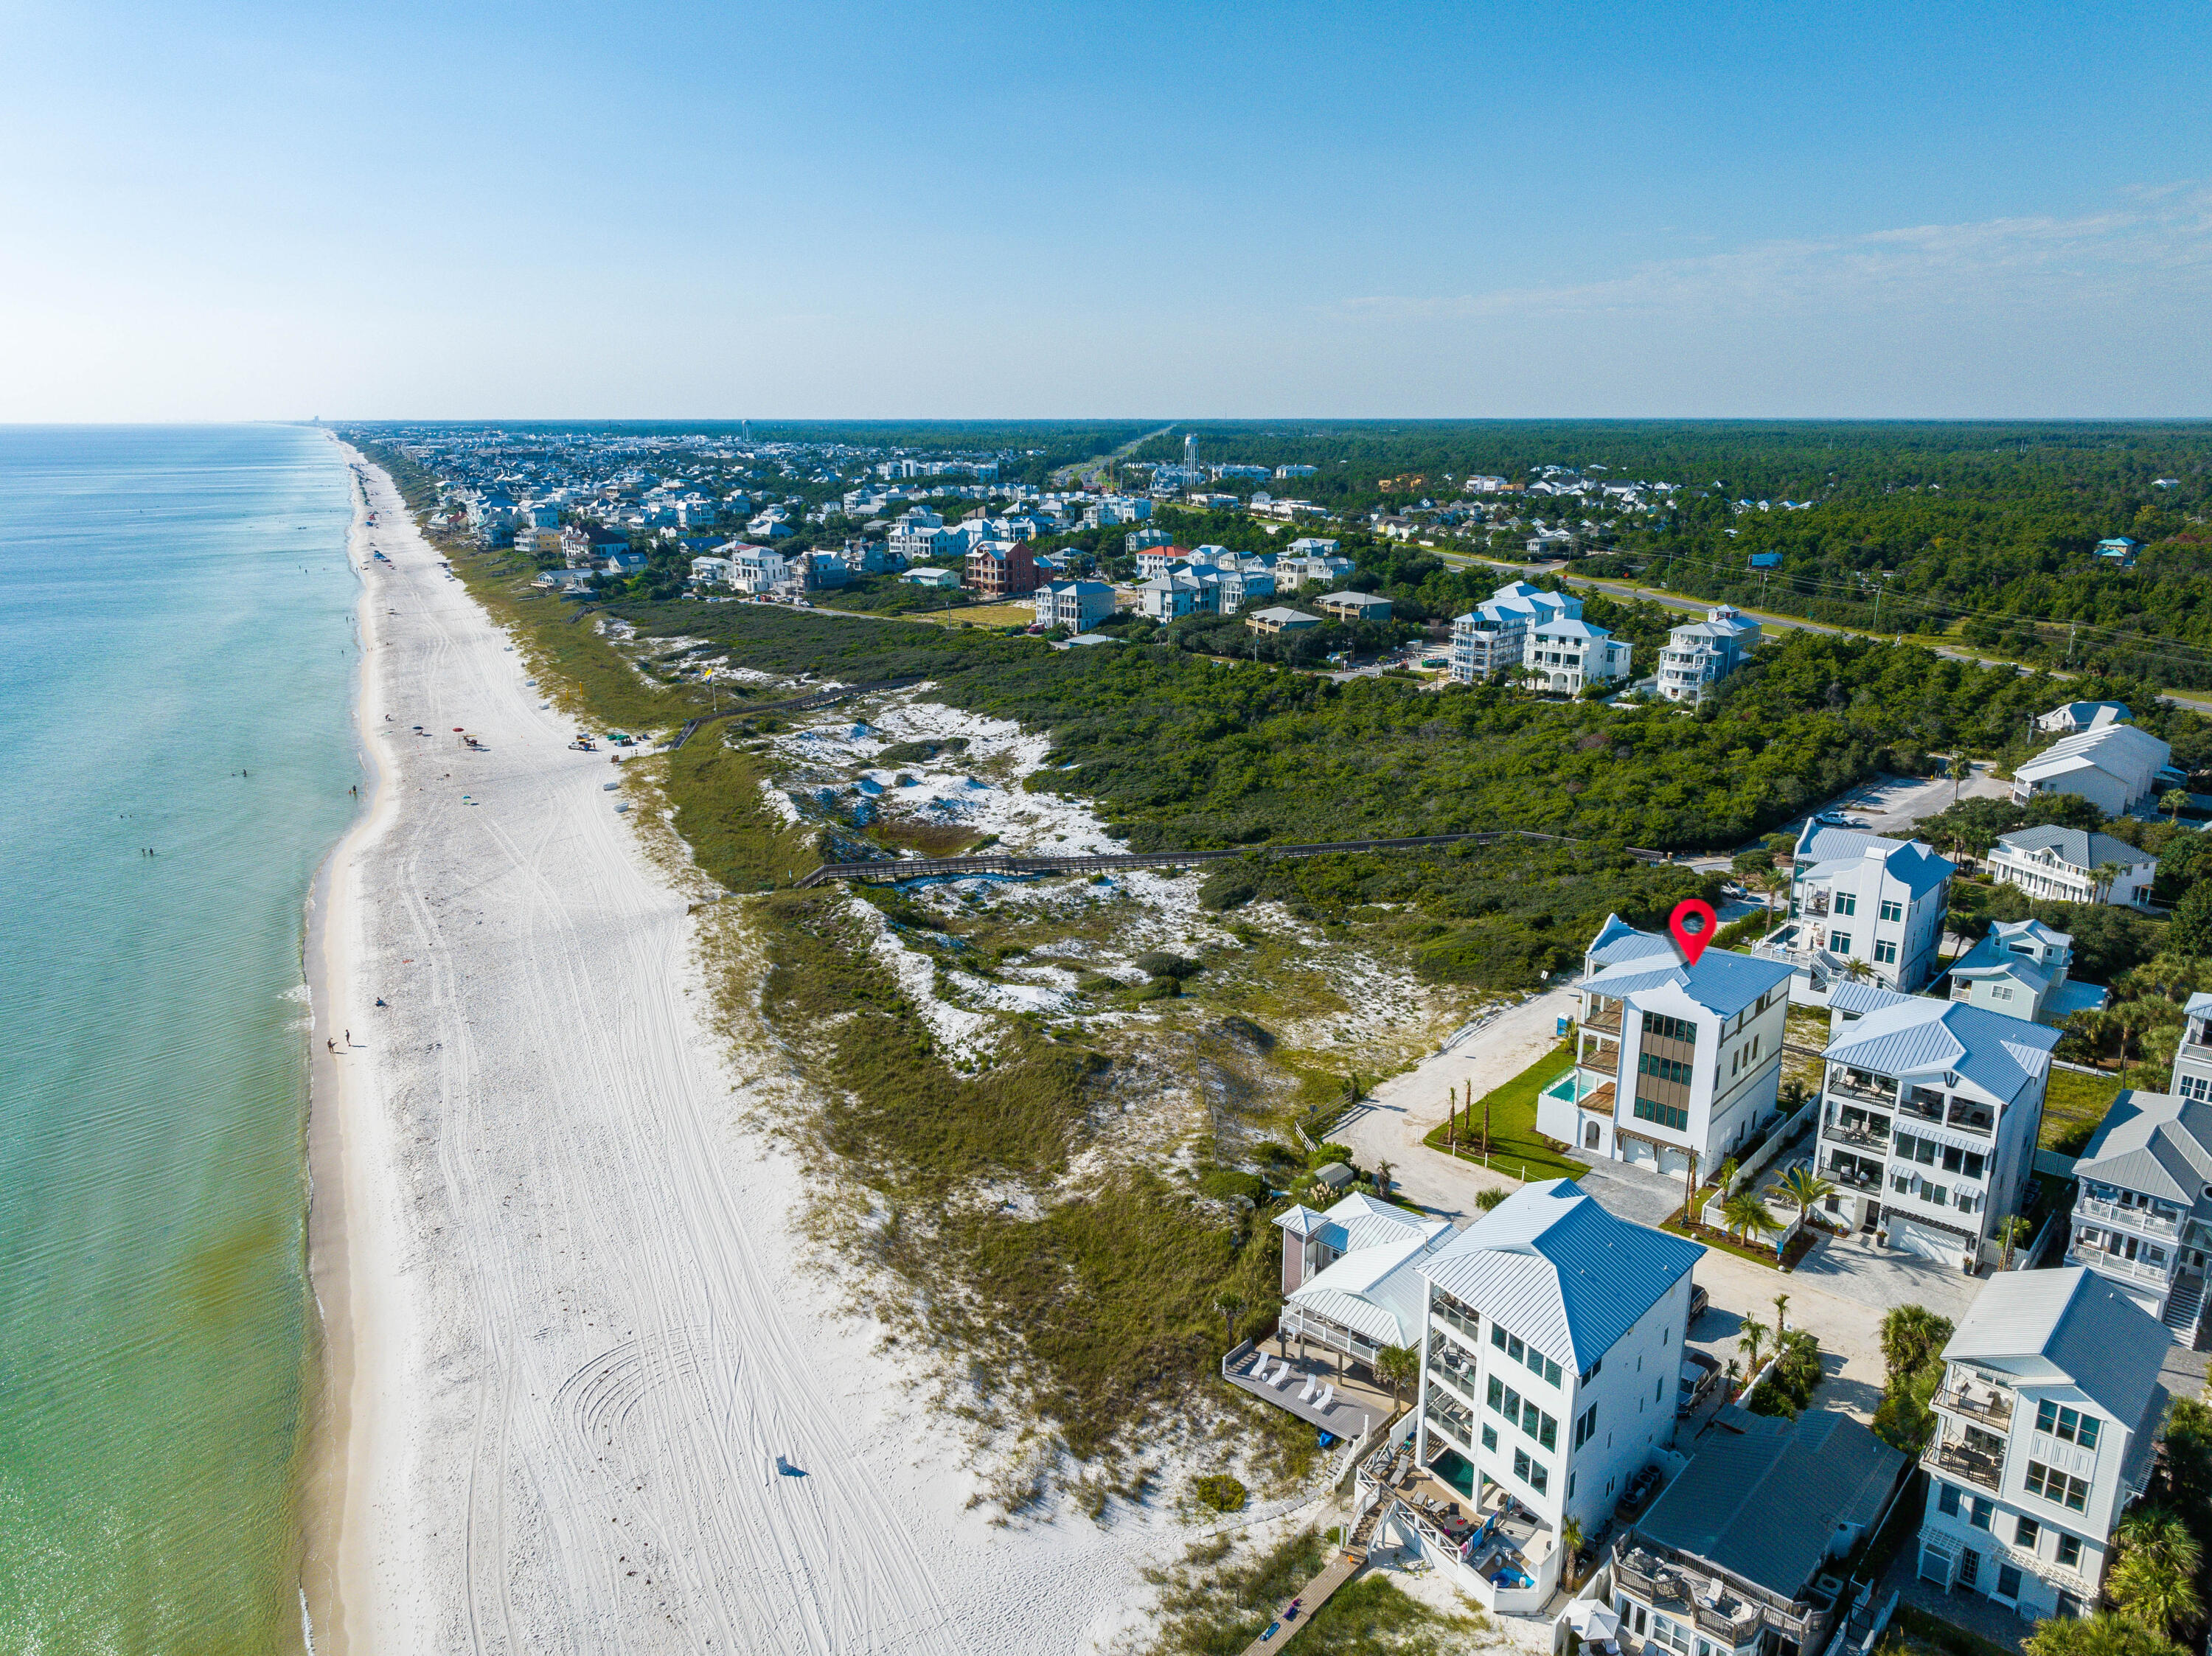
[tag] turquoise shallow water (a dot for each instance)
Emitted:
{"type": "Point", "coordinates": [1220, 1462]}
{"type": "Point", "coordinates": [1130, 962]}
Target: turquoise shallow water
{"type": "Point", "coordinates": [177, 654]}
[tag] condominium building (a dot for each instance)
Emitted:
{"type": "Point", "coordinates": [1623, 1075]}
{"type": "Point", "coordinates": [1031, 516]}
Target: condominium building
{"type": "Point", "coordinates": [1929, 1115]}
{"type": "Point", "coordinates": [2072, 865]}
{"type": "Point", "coordinates": [2048, 1418]}
{"type": "Point", "coordinates": [2115, 766]}
{"type": "Point", "coordinates": [1524, 626]}
{"type": "Point", "coordinates": [1550, 1358]}
{"type": "Point", "coordinates": [1002, 569]}
{"type": "Point", "coordinates": [1857, 897]}
{"type": "Point", "coordinates": [1671, 1060]}
{"type": "Point", "coordinates": [1701, 653]}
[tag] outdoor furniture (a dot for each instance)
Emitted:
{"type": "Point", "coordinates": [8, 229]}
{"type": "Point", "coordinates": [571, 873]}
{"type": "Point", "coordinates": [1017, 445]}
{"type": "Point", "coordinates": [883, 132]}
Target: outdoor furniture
{"type": "Point", "coordinates": [1328, 1395]}
{"type": "Point", "coordinates": [1306, 1391]}
{"type": "Point", "coordinates": [1282, 1375]}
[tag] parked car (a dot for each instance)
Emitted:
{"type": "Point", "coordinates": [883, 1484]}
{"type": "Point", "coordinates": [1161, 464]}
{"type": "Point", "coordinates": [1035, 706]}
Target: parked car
{"type": "Point", "coordinates": [1698, 1300]}
{"type": "Point", "coordinates": [1700, 1374]}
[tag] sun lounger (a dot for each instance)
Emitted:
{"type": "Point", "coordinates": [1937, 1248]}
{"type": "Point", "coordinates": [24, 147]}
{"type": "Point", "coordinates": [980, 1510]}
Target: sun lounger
{"type": "Point", "coordinates": [1327, 1395]}
{"type": "Point", "coordinates": [1306, 1391]}
{"type": "Point", "coordinates": [1282, 1376]}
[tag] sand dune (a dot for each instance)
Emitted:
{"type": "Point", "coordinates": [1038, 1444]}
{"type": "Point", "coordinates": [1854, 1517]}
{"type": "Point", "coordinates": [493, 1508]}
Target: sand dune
{"type": "Point", "coordinates": [575, 1366]}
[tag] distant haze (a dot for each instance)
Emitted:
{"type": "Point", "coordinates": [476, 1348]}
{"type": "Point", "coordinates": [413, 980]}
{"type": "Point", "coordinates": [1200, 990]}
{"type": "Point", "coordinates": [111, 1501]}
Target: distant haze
{"type": "Point", "coordinates": [855, 209]}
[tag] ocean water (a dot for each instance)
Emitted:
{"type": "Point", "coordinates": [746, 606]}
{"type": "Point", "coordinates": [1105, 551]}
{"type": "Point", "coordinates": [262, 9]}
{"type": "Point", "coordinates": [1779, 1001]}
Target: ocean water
{"type": "Point", "coordinates": [177, 654]}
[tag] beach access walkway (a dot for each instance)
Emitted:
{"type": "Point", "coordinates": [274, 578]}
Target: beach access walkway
{"type": "Point", "coordinates": [1280, 1629]}
{"type": "Point", "coordinates": [920, 868]}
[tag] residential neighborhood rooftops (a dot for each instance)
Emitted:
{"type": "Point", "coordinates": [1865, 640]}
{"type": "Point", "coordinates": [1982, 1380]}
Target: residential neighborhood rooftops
{"type": "Point", "coordinates": [1825, 851]}
{"type": "Point", "coordinates": [2078, 847]}
{"type": "Point", "coordinates": [1764, 1495]}
{"type": "Point", "coordinates": [2067, 1327]}
{"type": "Point", "coordinates": [1554, 1266]}
{"type": "Point", "coordinates": [2156, 1142]}
{"type": "Point", "coordinates": [1912, 1034]}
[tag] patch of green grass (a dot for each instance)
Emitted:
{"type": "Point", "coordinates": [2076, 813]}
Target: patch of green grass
{"type": "Point", "coordinates": [2073, 1105]}
{"type": "Point", "coordinates": [1916, 1631]}
{"type": "Point", "coordinates": [733, 833]}
{"type": "Point", "coordinates": [1513, 1145]}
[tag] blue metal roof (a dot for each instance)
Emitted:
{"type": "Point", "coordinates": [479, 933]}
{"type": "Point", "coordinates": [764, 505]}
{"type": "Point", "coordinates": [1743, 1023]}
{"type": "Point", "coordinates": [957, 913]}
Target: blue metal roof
{"type": "Point", "coordinates": [1721, 981]}
{"type": "Point", "coordinates": [1913, 1034]}
{"type": "Point", "coordinates": [1555, 1268]}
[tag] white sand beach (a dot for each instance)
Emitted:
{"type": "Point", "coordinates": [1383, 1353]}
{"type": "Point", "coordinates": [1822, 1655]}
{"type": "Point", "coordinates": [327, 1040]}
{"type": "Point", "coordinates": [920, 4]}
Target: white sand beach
{"type": "Point", "coordinates": [569, 1335]}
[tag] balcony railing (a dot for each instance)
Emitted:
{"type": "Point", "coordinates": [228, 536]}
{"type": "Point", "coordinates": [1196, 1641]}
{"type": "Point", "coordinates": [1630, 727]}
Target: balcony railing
{"type": "Point", "coordinates": [1297, 1325]}
{"type": "Point", "coordinates": [1842, 1083]}
{"type": "Point", "coordinates": [2113, 1265]}
{"type": "Point", "coordinates": [1854, 1177]}
{"type": "Point", "coordinates": [1468, 1325]}
{"type": "Point", "coordinates": [2136, 1219]}
{"type": "Point", "coordinates": [1862, 1133]}
{"type": "Point", "coordinates": [1975, 1465]}
{"type": "Point", "coordinates": [1991, 1405]}
{"type": "Point", "coordinates": [1607, 1019]}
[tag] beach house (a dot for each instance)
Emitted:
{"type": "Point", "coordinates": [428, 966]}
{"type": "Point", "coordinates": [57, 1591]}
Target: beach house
{"type": "Point", "coordinates": [2142, 1205]}
{"type": "Point", "coordinates": [1737, 1556]}
{"type": "Point", "coordinates": [2048, 1418]}
{"type": "Point", "coordinates": [1700, 654]}
{"type": "Point", "coordinates": [1928, 1114]}
{"type": "Point", "coordinates": [1672, 1061]}
{"type": "Point", "coordinates": [2115, 766]}
{"type": "Point", "coordinates": [1858, 899]}
{"type": "Point", "coordinates": [2072, 865]}
{"type": "Point", "coordinates": [1550, 1356]}
{"type": "Point", "coordinates": [2019, 968]}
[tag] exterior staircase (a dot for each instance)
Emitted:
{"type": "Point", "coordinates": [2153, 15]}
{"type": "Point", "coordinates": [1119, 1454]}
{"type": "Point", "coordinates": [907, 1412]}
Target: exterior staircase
{"type": "Point", "coordinates": [2181, 1307]}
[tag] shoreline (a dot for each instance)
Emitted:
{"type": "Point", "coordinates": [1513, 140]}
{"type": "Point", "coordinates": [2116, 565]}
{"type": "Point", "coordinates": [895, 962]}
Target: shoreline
{"type": "Point", "coordinates": [335, 1428]}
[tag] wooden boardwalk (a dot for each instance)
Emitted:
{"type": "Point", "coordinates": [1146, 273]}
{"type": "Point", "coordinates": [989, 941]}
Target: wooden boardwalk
{"type": "Point", "coordinates": [801, 704]}
{"type": "Point", "coordinates": [1317, 1593]}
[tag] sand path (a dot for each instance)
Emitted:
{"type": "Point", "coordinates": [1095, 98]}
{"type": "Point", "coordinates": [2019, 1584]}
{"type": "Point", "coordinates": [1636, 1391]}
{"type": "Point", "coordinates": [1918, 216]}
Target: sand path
{"type": "Point", "coordinates": [570, 1340]}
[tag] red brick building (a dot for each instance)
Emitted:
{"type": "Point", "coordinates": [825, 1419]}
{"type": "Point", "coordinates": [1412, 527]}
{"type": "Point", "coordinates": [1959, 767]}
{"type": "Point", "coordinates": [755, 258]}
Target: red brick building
{"type": "Point", "coordinates": [998, 569]}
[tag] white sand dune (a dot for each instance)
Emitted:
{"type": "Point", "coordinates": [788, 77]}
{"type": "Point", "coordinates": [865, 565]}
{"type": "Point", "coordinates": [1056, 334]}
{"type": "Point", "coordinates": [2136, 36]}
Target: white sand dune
{"type": "Point", "coordinates": [570, 1340]}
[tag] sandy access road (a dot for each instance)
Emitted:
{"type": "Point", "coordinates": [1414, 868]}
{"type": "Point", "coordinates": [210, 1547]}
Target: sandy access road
{"type": "Point", "coordinates": [569, 1337]}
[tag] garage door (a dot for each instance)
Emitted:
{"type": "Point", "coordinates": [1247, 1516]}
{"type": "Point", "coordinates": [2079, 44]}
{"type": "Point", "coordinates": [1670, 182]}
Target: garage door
{"type": "Point", "coordinates": [1925, 1241]}
{"type": "Point", "coordinates": [1635, 1151]}
{"type": "Point", "coordinates": [1674, 1161]}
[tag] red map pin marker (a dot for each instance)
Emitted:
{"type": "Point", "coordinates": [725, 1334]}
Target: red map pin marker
{"type": "Point", "coordinates": [1692, 943]}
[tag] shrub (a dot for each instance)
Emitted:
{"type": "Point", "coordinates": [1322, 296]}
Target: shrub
{"type": "Point", "coordinates": [1159, 963]}
{"type": "Point", "coordinates": [1227, 1182]}
{"type": "Point", "coordinates": [1325, 1154]}
{"type": "Point", "coordinates": [1229, 886]}
{"type": "Point", "coordinates": [1160, 989]}
{"type": "Point", "coordinates": [1220, 1491]}
{"type": "Point", "coordinates": [1487, 1200]}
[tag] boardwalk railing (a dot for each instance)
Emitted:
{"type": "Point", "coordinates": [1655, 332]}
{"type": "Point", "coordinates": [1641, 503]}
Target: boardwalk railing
{"type": "Point", "coordinates": [920, 868]}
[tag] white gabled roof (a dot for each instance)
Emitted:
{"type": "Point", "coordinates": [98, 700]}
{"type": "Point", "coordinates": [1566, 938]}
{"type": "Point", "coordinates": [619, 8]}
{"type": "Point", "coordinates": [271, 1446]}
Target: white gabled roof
{"type": "Point", "coordinates": [1558, 1270]}
{"type": "Point", "coordinates": [1369, 1289]}
{"type": "Point", "coordinates": [1914, 1034]}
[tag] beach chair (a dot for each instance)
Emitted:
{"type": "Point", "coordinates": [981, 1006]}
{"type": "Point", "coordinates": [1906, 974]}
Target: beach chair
{"type": "Point", "coordinates": [1282, 1375]}
{"type": "Point", "coordinates": [1327, 1395]}
{"type": "Point", "coordinates": [1306, 1391]}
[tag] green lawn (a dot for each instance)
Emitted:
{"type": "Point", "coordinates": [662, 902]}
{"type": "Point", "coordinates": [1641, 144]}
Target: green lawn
{"type": "Point", "coordinates": [2073, 1105]}
{"type": "Point", "coordinates": [1514, 1146]}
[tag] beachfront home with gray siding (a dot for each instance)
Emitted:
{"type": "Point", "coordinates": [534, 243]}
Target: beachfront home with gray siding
{"type": "Point", "coordinates": [1858, 896]}
{"type": "Point", "coordinates": [1730, 1560]}
{"type": "Point", "coordinates": [1929, 1115]}
{"type": "Point", "coordinates": [2048, 1417]}
{"type": "Point", "coordinates": [2142, 1205]}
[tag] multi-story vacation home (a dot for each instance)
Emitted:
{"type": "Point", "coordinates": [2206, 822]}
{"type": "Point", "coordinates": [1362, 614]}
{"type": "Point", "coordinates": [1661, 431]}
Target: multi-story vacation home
{"type": "Point", "coordinates": [1700, 654]}
{"type": "Point", "coordinates": [1929, 1115]}
{"type": "Point", "coordinates": [1735, 1558]}
{"type": "Point", "coordinates": [1524, 626]}
{"type": "Point", "coordinates": [1550, 1361]}
{"type": "Point", "coordinates": [2071, 866]}
{"type": "Point", "coordinates": [2048, 1418]}
{"type": "Point", "coordinates": [1671, 1060]}
{"type": "Point", "coordinates": [1860, 904]}
{"type": "Point", "coordinates": [2142, 1205]}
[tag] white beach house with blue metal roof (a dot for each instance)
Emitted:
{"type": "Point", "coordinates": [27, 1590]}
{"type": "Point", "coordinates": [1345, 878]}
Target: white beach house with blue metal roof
{"type": "Point", "coordinates": [1671, 1060]}
{"type": "Point", "coordinates": [1855, 897]}
{"type": "Point", "coordinates": [1550, 1361]}
{"type": "Point", "coordinates": [1929, 1115]}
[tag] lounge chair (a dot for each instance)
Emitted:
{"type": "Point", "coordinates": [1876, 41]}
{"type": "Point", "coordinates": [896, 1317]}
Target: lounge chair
{"type": "Point", "coordinates": [1306, 1391]}
{"type": "Point", "coordinates": [1266, 1366]}
{"type": "Point", "coordinates": [1282, 1375]}
{"type": "Point", "coordinates": [1327, 1395]}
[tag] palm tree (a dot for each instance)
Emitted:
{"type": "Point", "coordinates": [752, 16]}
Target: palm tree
{"type": "Point", "coordinates": [2010, 1232]}
{"type": "Point", "coordinates": [1911, 1335]}
{"type": "Point", "coordinates": [1781, 1314]}
{"type": "Point", "coordinates": [1382, 1172]}
{"type": "Point", "coordinates": [1749, 1332]}
{"type": "Point", "coordinates": [2171, 802]}
{"type": "Point", "coordinates": [1394, 1365]}
{"type": "Point", "coordinates": [1807, 1189]}
{"type": "Point", "coordinates": [2155, 1582]}
{"type": "Point", "coordinates": [2101, 1635]}
{"type": "Point", "coordinates": [1231, 1306]}
{"type": "Point", "coordinates": [1571, 1541]}
{"type": "Point", "coordinates": [2107, 872]}
{"type": "Point", "coordinates": [1746, 1216]}
{"type": "Point", "coordinates": [1858, 970]}
{"type": "Point", "coordinates": [1961, 768]}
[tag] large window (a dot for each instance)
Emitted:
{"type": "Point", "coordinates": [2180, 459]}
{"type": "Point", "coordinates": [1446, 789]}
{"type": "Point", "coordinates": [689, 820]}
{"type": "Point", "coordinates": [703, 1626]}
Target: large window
{"type": "Point", "coordinates": [1530, 1471]}
{"type": "Point", "coordinates": [1892, 911]}
{"type": "Point", "coordinates": [1586, 1427]}
{"type": "Point", "coordinates": [1670, 1028]}
{"type": "Point", "coordinates": [1676, 1116]}
{"type": "Point", "coordinates": [1666, 1069]}
{"type": "Point", "coordinates": [2055, 1485]}
{"type": "Point", "coordinates": [1846, 903]}
{"type": "Point", "coordinates": [1884, 952]}
{"type": "Point", "coordinates": [1839, 942]}
{"type": "Point", "coordinates": [2069, 1423]}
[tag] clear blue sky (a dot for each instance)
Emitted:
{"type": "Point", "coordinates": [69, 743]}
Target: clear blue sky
{"type": "Point", "coordinates": [823, 209]}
